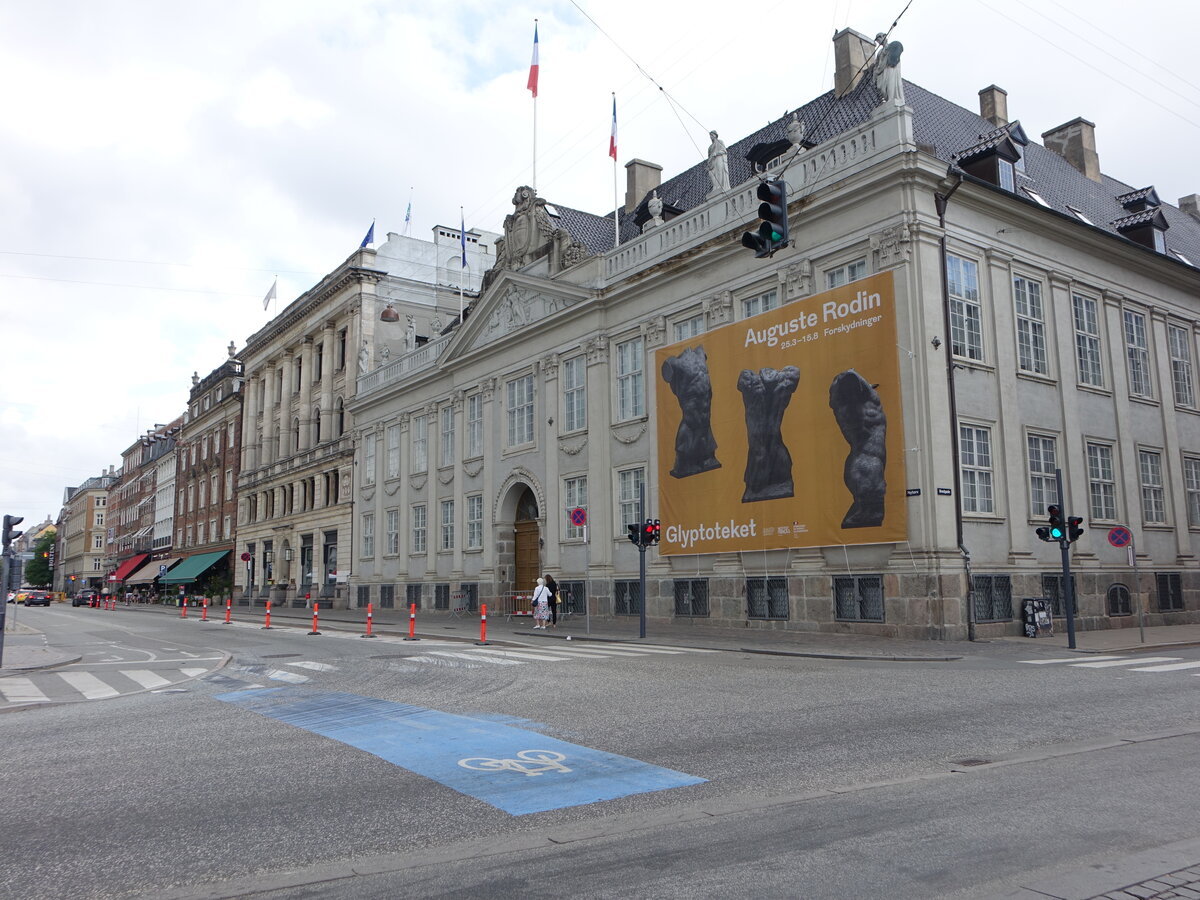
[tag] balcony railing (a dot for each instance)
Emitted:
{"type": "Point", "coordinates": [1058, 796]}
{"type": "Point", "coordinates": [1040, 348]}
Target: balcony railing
{"type": "Point", "coordinates": [398, 369]}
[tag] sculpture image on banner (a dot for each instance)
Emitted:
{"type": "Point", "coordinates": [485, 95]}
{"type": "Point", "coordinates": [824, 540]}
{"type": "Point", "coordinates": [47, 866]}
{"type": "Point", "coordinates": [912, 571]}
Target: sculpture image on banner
{"type": "Point", "coordinates": [773, 432]}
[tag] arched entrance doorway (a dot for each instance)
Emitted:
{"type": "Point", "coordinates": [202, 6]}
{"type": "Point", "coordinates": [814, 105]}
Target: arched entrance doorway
{"type": "Point", "coordinates": [526, 543]}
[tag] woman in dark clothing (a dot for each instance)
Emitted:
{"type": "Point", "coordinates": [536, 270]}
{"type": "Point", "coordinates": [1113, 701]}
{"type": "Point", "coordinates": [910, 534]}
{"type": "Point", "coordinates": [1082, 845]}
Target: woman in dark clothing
{"type": "Point", "coordinates": [553, 586]}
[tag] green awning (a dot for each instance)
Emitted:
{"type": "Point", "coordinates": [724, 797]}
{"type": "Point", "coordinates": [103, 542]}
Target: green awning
{"type": "Point", "coordinates": [192, 568]}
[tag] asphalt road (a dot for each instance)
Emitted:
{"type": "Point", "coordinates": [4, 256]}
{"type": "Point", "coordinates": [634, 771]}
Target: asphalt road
{"type": "Point", "coordinates": [332, 766]}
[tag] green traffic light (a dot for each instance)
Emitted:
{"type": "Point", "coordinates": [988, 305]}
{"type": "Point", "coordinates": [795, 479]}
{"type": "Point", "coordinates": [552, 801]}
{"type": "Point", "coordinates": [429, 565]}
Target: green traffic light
{"type": "Point", "coordinates": [1056, 533]}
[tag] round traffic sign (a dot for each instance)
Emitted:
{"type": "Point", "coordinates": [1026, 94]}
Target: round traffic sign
{"type": "Point", "coordinates": [579, 516]}
{"type": "Point", "coordinates": [1120, 536]}
{"type": "Point", "coordinates": [245, 557]}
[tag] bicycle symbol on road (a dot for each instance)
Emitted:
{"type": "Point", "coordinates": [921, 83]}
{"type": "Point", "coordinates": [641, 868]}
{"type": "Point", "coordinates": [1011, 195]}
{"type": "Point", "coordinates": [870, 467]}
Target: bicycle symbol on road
{"type": "Point", "coordinates": [528, 762]}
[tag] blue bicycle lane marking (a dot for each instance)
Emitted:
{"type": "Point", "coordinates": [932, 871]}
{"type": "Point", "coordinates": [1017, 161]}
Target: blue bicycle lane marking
{"type": "Point", "coordinates": [513, 769]}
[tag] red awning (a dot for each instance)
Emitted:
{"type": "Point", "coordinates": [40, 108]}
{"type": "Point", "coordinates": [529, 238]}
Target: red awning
{"type": "Point", "coordinates": [128, 567]}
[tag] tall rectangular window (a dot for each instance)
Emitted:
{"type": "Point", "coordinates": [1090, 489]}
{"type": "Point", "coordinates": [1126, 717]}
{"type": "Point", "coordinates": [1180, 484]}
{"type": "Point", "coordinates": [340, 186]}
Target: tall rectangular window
{"type": "Point", "coordinates": [575, 497]}
{"type": "Point", "coordinates": [519, 393]}
{"type": "Point", "coordinates": [574, 388]}
{"type": "Point", "coordinates": [474, 521]}
{"type": "Point", "coordinates": [1180, 343]}
{"type": "Point", "coordinates": [368, 473]}
{"type": "Point", "coordinates": [752, 306]}
{"type": "Point", "coordinates": [227, 528]}
{"type": "Point", "coordinates": [689, 328]}
{"type": "Point", "coordinates": [393, 532]}
{"type": "Point", "coordinates": [419, 525]}
{"type": "Point", "coordinates": [1150, 476]}
{"type": "Point", "coordinates": [629, 481]}
{"type": "Point", "coordinates": [368, 535]}
{"type": "Point", "coordinates": [845, 274]}
{"type": "Point", "coordinates": [1137, 355]}
{"type": "Point", "coordinates": [1102, 483]}
{"type": "Point", "coordinates": [1043, 486]}
{"type": "Point", "coordinates": [1191, 482]}
{"type": "Point", "coordinates": [392, 451]}
{"type": "Point", "coordinates": [975, 455]}
{"type": "Point", "coordinates": [447, 525]}
{"type": "Point", "coordinates": [420, 444]}
{"type": "Point", "coordinates": [631, 402]}
{"type": "Point", "coordinates": [966, 315]}
{"type": "Point", "coordinates": [448, 435]}
{"type": "Point", "coordinates": [1031, 326]}
{"type": "Point", "coordinates": [1087, 341]}
{"type": "Point", "coordinates": [474, 426]}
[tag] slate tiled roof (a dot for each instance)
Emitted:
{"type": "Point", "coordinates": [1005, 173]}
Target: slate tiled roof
{"type": "Point", "coordinates": [945, 129]}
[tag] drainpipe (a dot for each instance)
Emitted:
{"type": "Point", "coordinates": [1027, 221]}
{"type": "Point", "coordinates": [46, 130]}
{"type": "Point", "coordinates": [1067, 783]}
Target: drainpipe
{"type": "Point", "coordinates": [941, 201]}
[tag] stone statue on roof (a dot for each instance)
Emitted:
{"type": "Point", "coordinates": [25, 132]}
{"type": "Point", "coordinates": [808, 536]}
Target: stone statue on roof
{"type": "Point", "coordinates": [797, 131]}
{"type": "Point", "coordinates": [718, 166]}
{"type": "Point", "coordinates": [655, 207]}
{"type": "Point", "coordinates": [887, 70]}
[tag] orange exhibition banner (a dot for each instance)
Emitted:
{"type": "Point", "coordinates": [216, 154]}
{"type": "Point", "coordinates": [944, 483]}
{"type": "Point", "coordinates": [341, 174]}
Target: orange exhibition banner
{"type": "Point", "coordinates": [784, 429]}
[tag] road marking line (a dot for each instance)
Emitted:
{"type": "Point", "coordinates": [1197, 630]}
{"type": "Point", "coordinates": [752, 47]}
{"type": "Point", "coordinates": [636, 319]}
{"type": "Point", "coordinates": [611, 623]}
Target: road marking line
{"type": "Point", "coordinates": [89, 685]}
{"type": "Point", "coordinates": [315, 666]}
{"type": "Point", "coordinates": [125, 662]}
{"type": "Point", "coordinates": [22, 690]}
{"type": "Point", "coordinates": [290, 677]}
{"type": "Point", "coordinates": [1047, 662]}
{"type": "Point", "coordinates": [1126, 662]}
{"type": "Point", "coordinates": [192, 673]}
{"type": "Point", "coordinates": [145, 678]}
{"type": "Point", "coordinates": [541, 655]}
{"type": "Point", "coordinates": [1172, 667]}
{"type": "Point", "coordinates": [477, 657]}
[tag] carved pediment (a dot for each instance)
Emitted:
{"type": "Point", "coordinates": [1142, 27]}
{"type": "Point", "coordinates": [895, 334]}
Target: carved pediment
{"type": "Point", "coordinates": [514, 303]}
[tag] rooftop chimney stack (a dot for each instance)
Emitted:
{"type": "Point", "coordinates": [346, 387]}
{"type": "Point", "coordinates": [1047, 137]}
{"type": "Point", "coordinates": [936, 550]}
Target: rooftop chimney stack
{"type": "Point", "coordinates": [1075, 142]}
{"type": "Point", "coordinates": [851, 51]}
{"type": "Point", "coordinates": [993, 105]}
{"type": "Point", "coordinates": [1190, 205]}
{"type": "Point", "coordinates": [641, 178]}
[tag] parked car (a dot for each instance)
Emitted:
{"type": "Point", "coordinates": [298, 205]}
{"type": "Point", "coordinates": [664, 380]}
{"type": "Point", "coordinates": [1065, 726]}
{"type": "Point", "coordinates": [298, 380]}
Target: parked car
{"type": "Point", "coordinates": [84, 597]}
{"type": "Point", "coordinates": [38, 598]}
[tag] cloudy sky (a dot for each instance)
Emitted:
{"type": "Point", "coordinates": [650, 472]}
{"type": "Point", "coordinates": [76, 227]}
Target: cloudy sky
{"type": "Point", "coordinates": [161, 162]}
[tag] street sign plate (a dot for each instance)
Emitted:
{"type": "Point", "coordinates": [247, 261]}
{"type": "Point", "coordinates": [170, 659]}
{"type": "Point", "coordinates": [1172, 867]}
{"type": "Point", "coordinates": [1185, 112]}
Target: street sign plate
{"type": "Point", "coordinates": [1120, 536]}
{"type": "Point", "coordinates": [579, 516]}
{"type": "Point", "coordinates": [245, 557]}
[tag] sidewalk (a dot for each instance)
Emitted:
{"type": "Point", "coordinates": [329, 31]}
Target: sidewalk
{"type": "Point", "coordinates": [26, 648]}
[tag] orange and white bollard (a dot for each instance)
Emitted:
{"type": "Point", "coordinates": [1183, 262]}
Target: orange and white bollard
{"type": "Point", "coordinates": [229, 611]}
{"type": "Point", "coordinates": [315, 606]}
{"type": "Point", "coordinates": [368, 634]}
{"type": "Point", "coordinates": [183, 614]}
{"type": "Point", "coordinates": [204, 614]}
{"type": "Point", "coordinates": [412, 623]}
{"type": "Point", "coordinates": [268, 623]}
{"type": "Point", "coordinates": [482, 624]}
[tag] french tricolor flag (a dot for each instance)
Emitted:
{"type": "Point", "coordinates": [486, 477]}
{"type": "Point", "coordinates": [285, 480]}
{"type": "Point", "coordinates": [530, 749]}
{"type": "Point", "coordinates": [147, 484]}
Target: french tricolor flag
{"type": "Point", "coordinates": [533, 65]}
{"type": "Point", "coordinates": [612, 141]}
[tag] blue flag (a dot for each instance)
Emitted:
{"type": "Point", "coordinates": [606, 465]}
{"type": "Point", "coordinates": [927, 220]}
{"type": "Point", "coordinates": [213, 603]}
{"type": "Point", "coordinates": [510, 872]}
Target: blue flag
{"type": "Point", "coordinates": [370, 238]}
{"type": "Point", "coordinates": [462, 237]}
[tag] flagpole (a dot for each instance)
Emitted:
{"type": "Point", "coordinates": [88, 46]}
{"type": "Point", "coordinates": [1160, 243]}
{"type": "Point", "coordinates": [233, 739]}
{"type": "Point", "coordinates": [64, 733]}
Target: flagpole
{"type": "Point", "coordinates": [532, 85]}
{"type": "Point", "coordinates": [462, 237]}
{"type": "Point", "coordinates": [616, 209]}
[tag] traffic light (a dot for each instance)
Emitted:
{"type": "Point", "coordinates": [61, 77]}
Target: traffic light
{"type": "Point", "coordinates": [772, 234]}
{"type": "Point", "coordinates": [9, 534]}
{"type": "Point", "coordinates": [1074, 532]}
{"type": "Point", "coordinates": [657, 531]}
{"type": "Point", "coordinates": [635, 535]}
{"type": "Point", "coordinates": [647, 532]}
{"type": "Point", "coordinates": [1056, 523]}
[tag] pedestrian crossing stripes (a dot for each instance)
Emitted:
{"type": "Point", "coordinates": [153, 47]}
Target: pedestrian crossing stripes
{"type": "Point", "coordinates": [70, 686]}
{"type": "Point", "coordinates": [514, 656]}
{"type": "Point", "coordinates": [1125, 663]}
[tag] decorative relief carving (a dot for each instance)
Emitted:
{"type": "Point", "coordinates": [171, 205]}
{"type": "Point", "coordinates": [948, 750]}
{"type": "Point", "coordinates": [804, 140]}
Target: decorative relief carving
{"type": "Point", "coordinates": [473, 469]}
{"type": "Point", "coordinates": [392, 488]}
{"type": "Point", "coordinates": [892, 245]}
{"type": "Point", "coordinates": [596, 349]}
{"type": "Point", "coordinates": [655, 331]}
{"type": "Point", "coordinates": [418, 482]}
{"type": "Point", "coordinates": [720, 308]}
{"type": "Point", "coordinates": [573, 451]}
{"type": "Point", "coordinates": [629, 438]}
{"type": "Point", "coordinates": [797, 279]}
{"type": "Point", "coordinates": [446, 477]}
{"type": "Point", "coordinates": [549, 365]}
{"type": "Point", "coordinates": [368, 493]}
{"type": "Point", "coordinates": [488, 388]}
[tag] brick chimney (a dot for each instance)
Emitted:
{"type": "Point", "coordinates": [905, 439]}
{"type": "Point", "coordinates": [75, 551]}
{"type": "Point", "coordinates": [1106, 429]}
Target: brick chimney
{"type": "Point", "coordinates": [1190, 205]}
{"type": "Point", "coordinates": [851, 51]}
{"type": "Point", "coordinates": [1075, 142]}
{"type": "Point", "coordinates": [993, 105]}
{"type": "Point", "coordinates": [641, 178]}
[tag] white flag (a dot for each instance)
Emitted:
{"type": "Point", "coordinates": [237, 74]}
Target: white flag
{"type": "Point", "coordinates": [271, 293]}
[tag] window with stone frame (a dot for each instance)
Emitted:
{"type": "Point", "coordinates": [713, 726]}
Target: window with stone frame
{"type": "Point", "coordinates": [966, 313]}
{"type": "Point", "coordinates": [574, 497]}
{"type": "Point", "coordinates": [691, 597]}
{"type": "Point", "coordinates": [1043, 460]}
{"type": "Point", "coordinates": [993, 598]}
{"type": "Point", "coordinates": [412, 595]}
{"type": "Point", "coordinates": [759, 303]}
{"type": "Point", "coordinates": [519, 410]}
{"type": "Point", "coordinates": [1031, 326]}
{"type": "Point", "coordinates": [368, 470]}
{"type": "Point", "coordinates": [629, 485]}
{"type": "Point", "coordinates": [1180, 342]}
{"type": "Point", "coordinates": [1137, 355]}
{"type": "Point", "coordinates": [419, 426]}
{"type": "Point", "coordinates": [1150, 476]}
{"type": "Point", "coordinates": [975, 463]}
{"type": "Point", "coordinates": [767, 598]}
{"type": "Point", "coordinates": [418, 528]}
{"type": "Point", "coordinates": [627, 597]}
{"type": "Point", "coordinates": [449, 434]}
{"type": "Point", "coordinates": [689, 327]}
{"type": "Point", "coordinates": [387, 596]}
{"type": "Point", "coordinates": [392, 533]}
{"type": "Point", "coordinates": [858, 598]}
{"type": "Point", "coordinates": [474, 425]}
{"type": "Point", "coordinates": [573, 376]}
{"type": "Point", "coordinates": [631, 392]}
{"type": "Point", "coordinates": [1169, 591]}
{"type": "Point", "coordinates": [1102, 484]}
{"type": "Point", "coordinates": [392, 451]}
{"type": "Point", "coordinates": [368, 535]}
{"type": "Point", "coordinates": [447, 525]}
{"type": "Point", "coordinates": [1191, 485]}
{"type": "Point", "coordinates": [851, 271]}
{"type": "Point", "coordinates": [474, 521]}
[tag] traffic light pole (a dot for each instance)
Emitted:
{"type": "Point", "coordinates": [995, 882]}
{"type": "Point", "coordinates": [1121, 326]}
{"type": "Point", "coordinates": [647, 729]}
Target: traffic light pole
{"type": "Point", "coordinates": [1064, 544]}
{"type": "Point", "coordinates": [642, 558]}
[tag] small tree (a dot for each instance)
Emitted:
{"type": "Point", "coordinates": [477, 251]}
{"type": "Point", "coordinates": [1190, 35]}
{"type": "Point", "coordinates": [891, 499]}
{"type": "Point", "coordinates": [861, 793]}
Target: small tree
{"type": "Point", "coordinates": [37, 571]}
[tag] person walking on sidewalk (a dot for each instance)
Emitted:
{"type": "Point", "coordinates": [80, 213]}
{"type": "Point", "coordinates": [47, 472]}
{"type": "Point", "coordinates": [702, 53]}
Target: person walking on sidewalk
{"type": "Point", "coordinates": [552, 587]}
{"type": "Point", "coordinates": [541, 604]}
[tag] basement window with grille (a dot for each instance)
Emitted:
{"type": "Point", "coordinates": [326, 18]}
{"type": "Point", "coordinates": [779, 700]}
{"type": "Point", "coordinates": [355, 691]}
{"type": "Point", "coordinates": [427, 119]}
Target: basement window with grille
{"type": "Point", "coordinates": [858, 598]}
{"type": "Point", "coordinates": [387, 596]}
{"type": "Point", "coordinates": [1118, 600]}
{"type": "Point", "coordinates": [627, 598]}
{"type": "Point", "coordinates": [691, 596]}
{"type": "Point", "coordinates": [572, 598]}
{"type": "Point", "coordinates": [767, 598]}
{"type": "Point", "coordinates": [993, 598]}
{"type": "Point", "coordinates": [1170, 594]}
{"type": "Point", "coordinates": [1053, 590]}
{"type": "Point", "coordinates": [364, 595]}
{"type": "Point", "coordinates": [412, 595]}
{"type": "Point", "coordinates": [441, 596]}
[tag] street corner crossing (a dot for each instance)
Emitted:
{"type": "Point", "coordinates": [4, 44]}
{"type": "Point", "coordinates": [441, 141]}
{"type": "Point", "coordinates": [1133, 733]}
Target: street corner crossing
{"type": "Point", "coordinates": [513, 769]}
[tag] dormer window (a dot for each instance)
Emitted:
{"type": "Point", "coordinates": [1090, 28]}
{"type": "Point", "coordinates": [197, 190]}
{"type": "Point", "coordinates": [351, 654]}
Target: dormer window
{"type": "Point", "coordinates": [1148, 228]}
{"type": "Point", "coordinates": [1004, 169]}
{"type": "Point", "coordinates": [997, 157]}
